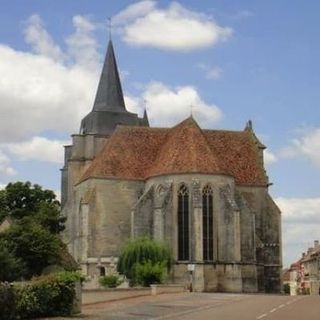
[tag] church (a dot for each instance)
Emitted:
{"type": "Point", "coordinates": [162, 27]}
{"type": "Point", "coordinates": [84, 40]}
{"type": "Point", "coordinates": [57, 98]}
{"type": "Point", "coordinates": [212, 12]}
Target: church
{"type": "Point", "coordinates": [203, 192]}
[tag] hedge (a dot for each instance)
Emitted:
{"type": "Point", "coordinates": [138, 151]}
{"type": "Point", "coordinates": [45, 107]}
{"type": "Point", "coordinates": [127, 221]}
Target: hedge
{"type": "Point", "coordinates": [44, 296]}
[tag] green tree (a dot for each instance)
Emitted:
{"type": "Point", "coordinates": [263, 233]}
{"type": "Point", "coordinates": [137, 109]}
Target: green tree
{"type": "Point", "coordinates": [22, 199]}
{"type": "Point", "coordinates": [36, 246]}
{"type": "Point", "coordinates": [33, 240]}
{"type": "Point", "coordinates": [11, 268]}
{"type": "Point", "coordinates": [143, 257]}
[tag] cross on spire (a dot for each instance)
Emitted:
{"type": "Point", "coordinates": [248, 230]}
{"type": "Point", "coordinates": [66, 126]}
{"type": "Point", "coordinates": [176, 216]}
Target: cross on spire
{"type": "Point", "coordinates": [145, 101]}
{"type": "Point", "coordinates": [191, 110]}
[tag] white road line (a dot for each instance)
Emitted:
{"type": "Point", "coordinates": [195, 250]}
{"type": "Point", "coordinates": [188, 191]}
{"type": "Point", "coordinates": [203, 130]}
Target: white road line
{"type": "Point", "coordinates": [273, 310]}
{"type": "Point", "coordinates": [262, 316]}
{"type": "Point", "coordinates": [281, 306]}
{"type": "Point", "coordinates": [288, 303]}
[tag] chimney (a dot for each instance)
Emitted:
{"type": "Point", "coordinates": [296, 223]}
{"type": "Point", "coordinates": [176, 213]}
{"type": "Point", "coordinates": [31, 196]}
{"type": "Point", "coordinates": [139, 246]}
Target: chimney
{"type": "Point", "coordinates": [316, 243]}
{"type": "Point", "coordinates": [303, 254]}
{"type": "Point", "coordinates": [310, 250]}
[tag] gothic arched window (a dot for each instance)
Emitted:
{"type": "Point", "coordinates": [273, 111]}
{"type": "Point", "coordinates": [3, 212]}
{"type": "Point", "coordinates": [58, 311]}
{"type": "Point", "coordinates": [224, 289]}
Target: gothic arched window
{"type": "Point", "coordinates": [183, 223]}
{"type": "Point", "coordinates": [207, 223]}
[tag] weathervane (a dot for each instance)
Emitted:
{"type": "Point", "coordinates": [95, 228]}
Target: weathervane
{"type": "Point", "coordinates": [110, 28]}
{"type": "Point", "coordinates": [191, 110]}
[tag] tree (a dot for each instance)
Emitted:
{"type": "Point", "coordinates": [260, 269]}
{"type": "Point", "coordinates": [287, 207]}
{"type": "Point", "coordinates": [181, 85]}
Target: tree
{"type": "Point", "coordinates": [11, 267]}
{"type": "Point", "coordinates": [22, 199]}
{"type": "Point", "coordinates": [142, 259]}
{"type": "Point", "coordinates": [36, 246]}
{"type": "Point", "coordinates": [32, 241]}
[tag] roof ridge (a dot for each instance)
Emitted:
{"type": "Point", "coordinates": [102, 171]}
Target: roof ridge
{"type": "Point", "coordinates": [173, 147]}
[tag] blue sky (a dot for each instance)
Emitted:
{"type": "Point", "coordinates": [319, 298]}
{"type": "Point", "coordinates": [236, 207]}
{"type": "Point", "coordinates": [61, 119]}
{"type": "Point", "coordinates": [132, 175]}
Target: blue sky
{"type": "Point", "coordinates": [232, 60]}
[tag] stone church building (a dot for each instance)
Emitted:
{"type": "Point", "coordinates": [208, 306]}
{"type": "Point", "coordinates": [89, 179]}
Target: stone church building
{"type": "Point", "coordinates": [204, 192]}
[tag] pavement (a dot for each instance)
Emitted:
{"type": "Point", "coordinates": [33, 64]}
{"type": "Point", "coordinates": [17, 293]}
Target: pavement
{"type": "Point", "coordinates": [205, 306]}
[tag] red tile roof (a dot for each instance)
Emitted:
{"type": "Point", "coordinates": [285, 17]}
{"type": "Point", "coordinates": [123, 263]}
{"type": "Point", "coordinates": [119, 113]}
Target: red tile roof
{"type": "Point", "coordinates": [142, 152]}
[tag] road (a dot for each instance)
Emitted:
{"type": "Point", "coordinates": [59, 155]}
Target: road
{"type": "Point", "coordinates": [205, 306]}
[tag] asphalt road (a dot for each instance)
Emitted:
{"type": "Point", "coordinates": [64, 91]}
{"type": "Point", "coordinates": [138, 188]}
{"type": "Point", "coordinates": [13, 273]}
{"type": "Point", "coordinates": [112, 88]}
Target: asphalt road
{"type": "Point", "coordinates": [204, 306]}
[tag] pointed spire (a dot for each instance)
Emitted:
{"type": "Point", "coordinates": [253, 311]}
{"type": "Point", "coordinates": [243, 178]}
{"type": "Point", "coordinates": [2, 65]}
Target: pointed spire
{"type": "Point", "coordinates": [145, 118]}
{"type": "Point", "coordinates": [109, 95]}
{"type": "Point", "coordinates": [249, 126]}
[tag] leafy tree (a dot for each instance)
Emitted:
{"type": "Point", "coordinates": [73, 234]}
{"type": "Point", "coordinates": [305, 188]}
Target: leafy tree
{"type": "Point", "coordinates": [32, 241]}
{"type": "Point", "coordinates": [22, 199]}
{"type": "Point", "coordinates": [11, 267]}
{"type": "Point", "coordinates": [143, 256]}
{"type": "Point", "coordinates": [36, 246]}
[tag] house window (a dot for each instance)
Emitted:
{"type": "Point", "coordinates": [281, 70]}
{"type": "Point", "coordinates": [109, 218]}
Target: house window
{"type": "Point", "coordinates": [207, 223]}
{"type": "Point", "coordinates": [183, 223]}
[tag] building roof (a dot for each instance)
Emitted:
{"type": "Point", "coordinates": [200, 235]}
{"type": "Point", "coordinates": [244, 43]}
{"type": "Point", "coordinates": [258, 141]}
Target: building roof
{"type": "Point", "coordinates": [311, 254]}
{"type": "Point", "coordinates": [141, 152]}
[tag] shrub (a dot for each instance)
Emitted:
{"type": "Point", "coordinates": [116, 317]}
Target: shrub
{"type": "Point", "coordinates": [286, 288]}
{"type": "Point", "coordinates": [148, 272]}
{"type": "Point", "coordinates": [139, 251]}
{"type": "Point", "coordinates": [110, 281]}
{"type": "Point", "coordinates": [144, 261]}
{"type": "Point", "coordinates": [51, 295]}
{"type": "Point", "coordinates": [7, 302]}
{"type": "Point", "coordinates": [33, 244]}
{"type": "Point", "coordinates": [11, 267]}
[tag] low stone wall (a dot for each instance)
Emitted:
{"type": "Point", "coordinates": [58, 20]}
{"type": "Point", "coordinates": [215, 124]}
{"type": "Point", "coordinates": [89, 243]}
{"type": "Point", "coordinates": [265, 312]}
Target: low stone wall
{"type": "Point", "coordinates": [108, 295]}
{"type": "Point", "coordinates": [172, 288]}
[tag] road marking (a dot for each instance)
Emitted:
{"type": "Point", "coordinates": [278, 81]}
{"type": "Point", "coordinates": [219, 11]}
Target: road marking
{"type": "Point", "coordinates": [273, 310]}
{"type": "Point", "coordinates": [288, 303]}
{"type": "Point", "coordinates": [262, 316]}
{"type": "Point", "coordinates": [281, 306]}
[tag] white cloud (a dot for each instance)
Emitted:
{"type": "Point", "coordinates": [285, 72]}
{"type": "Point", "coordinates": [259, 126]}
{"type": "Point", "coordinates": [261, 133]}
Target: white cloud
{"type": "Point", "coordinates": [211, 73]}
{"type": "Point", "coordinates": [168, 106]}
{"type": "Point", "coordinates": [58, 194]}
{"type": "Point", "coordinates": [51, 90]}
{"type": "Point", "coordinates": [174, 28]}
{"type": "Point", "coordinates": [38, 148]}
{"type": "Point", "coordinates": [5, 168]}
{"type": "Point", "coordinates": [214, 73]}
{"type": "Point", "coordinates": [40, 40]}
{"type": "Point", "coordinates": [307, 146]}
{"type": "Point", "coordinates": [82, 46]}
{"type": "Point", "coordinates": [305, 210]}
{"type": "Point", "coordinates": [38, 91]}
{"type": "Point", "coordinates": [133, 12]}
{"type": "Point", "coordinates": [269, 157]}
{"type": "Point", "coordinates": [301, 225]}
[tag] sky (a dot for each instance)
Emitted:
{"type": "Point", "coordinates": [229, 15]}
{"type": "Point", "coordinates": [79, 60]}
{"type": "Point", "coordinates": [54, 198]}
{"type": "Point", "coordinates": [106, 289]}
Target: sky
{"type": "Point", "coordinates": [231, 60]}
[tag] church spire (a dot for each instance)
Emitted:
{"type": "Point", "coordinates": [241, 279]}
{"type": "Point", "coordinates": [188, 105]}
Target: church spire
{"type": "Point", "coordinates": [109, 96]}
{"type": "Point", "coordinates": [109, 109]}
{"type": "Point", "coordinates": [145, 118]}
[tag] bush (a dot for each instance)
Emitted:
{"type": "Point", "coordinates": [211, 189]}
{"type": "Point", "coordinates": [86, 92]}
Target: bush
{"type": "Point", "coordinates": [45, 296]}
{"type": "Point", "coordinates": [11, 267]}
{"type": "Point", "coordinates": [147, 273]}
{"type": "Point", "coordinates": [141, 251]}
{"type": "Point", "coordinates": [286, 288]}
{"type": "Point", "coordinates": [110, 281]}
{"type": "Point", "coordinates": [34, 245]}
{"type": "Point", "coordinates": [7, 302]}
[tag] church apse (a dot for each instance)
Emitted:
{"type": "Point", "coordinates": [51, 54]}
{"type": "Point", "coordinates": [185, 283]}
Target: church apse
{"type": "Point", "coordinates": [203, 192]}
